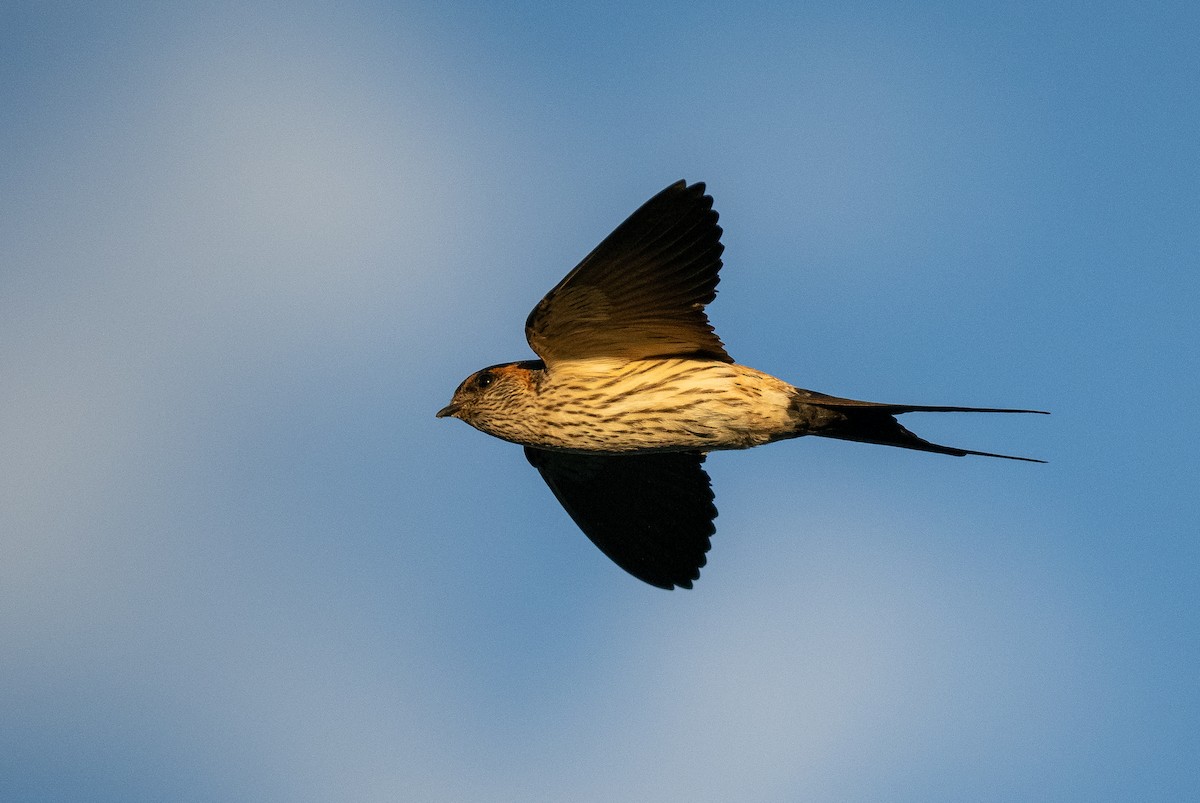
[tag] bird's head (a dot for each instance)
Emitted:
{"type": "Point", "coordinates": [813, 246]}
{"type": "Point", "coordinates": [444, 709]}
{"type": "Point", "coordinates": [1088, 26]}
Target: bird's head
{"type": "Point", "coordinates": [494, 398]}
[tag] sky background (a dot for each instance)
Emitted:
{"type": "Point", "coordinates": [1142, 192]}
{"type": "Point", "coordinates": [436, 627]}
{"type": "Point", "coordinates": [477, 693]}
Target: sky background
{"type": "Point", "coordinates": [247, 251]}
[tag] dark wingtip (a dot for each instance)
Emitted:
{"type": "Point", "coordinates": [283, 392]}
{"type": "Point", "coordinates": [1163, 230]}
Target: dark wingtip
{"type": "Point", "coordinates": [666, 580]}
{"type": "Point", "coordinates": [698, 188]}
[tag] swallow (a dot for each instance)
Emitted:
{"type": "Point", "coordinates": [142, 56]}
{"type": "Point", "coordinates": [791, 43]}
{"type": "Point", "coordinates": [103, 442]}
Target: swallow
{"type": "Point", "coordinates": [633, 389]}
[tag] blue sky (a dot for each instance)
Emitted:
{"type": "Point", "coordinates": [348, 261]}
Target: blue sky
{"type": "Point", "coordinates": [248, 251]}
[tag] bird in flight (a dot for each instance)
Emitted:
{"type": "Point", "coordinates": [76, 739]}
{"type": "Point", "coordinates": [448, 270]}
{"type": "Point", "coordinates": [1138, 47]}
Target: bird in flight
{"type": "Point", "coordinates": [634, 388]}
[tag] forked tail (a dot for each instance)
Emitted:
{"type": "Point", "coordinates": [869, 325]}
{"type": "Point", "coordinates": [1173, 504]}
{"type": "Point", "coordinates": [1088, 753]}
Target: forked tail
{"type": "Point", "coordinates": [872, 422]}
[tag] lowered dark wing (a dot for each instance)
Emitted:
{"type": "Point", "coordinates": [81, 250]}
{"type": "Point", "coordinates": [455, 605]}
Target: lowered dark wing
{"type": "Point", "coordinates": [641, 292]}
{"type": "Point", "coordinates": [652, 514]}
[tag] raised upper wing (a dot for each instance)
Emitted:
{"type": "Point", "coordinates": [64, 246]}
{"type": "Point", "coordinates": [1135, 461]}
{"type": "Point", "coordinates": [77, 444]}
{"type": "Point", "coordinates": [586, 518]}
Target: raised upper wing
{"type": "Point", "coordinates": [641, 292]}
{"type": "Point", "coordinates": [652, 514]}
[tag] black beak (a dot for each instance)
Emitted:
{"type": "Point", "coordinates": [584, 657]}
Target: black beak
{"type": "Point", "coordinates": [450, 409]}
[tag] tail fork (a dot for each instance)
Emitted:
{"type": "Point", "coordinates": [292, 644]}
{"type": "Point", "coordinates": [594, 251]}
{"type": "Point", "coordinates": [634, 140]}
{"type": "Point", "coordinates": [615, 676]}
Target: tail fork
{"type": "Point", "coordinates": [871, 422]}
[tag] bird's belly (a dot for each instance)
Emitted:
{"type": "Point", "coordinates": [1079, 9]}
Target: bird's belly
{"type": "Point", "coordinates": [666, 406]}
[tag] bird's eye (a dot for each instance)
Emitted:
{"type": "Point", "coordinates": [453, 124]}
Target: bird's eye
{"type": "Point", "coordinates": [485, 380]}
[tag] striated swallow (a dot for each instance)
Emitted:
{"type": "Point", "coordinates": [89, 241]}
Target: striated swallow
{"type": "Point", "coordinates": [634, 388]}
